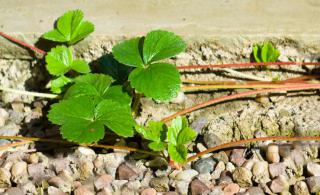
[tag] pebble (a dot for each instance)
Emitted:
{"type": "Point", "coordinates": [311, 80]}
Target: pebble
{"type": "Point", "coordinates": [230, 167]}
{"type": "Point", "coordinates": [242, 176]}
{"type": "Point", "coordinates": [186, 175]}
{"type": "Point", "coordinates": [58, 182]}
{"type": "Point", "coordinates": [171, 193]}
{"type": "Point", "coordinates": [19, 173]}
{"type": "Point", "coordinates": [300, 188]}
{"type": "Point", "coordinates": [60, 164]}
{"type": "Point", "coordinates": [276, 169]}
{"type": "Point", "coordinates": [83, 190]}
{"type": "Point", "coordinates": [231, 189]}
{"type": "Point", "coordinates": [28, 188]}
{"type": "Point", "coordinates": [3, 117]}
{"type": "Point", "coordinates": [126, 173]}
{"type": "Point", "coordinates": [13, 191]}
{"type": "Point", "coordinates": [182, 187]}
{"type": "Point", "coordinates": [103, 181]}
{"type": "Point", "coordinates": [55, 191]}
{"type": "Point", "coordinates": [279, 184]}
{"type": "Point", "coordinates": [313, 169]}
{"type": "Point", "coordinates": [33, 158]}
{"type": "Point", "coordinates": [148, 191]}
{"type": "Point", "coordinates": [204, 165]}
{"type": "Point", "coordinates": [260, 172]}
{"type": "Point", "coordinates": [157, 162]}
{"type": "Point", "coordinates": [221, 156]}
{"type": "Point", "coordinates": [160, 184]}
{"type": "Point", "coordinates": [86, 152]}
{"type": "Point", "coordinates": [5, 178]}
{"type": "Point", "coordinates": [211, 140]}
{"type": "Point", "coordinates": [237, 157]}
{"type": "Point", "coordinates": [255, 191]}
{"type": "Point", "coordinates": [313, 183]}
{"type": "Point", "coordinates": [85, 169]}
{"type": "Point", "coordinates": [111, 162]}
{"type": "Point", "coordinates": [272, 154]}
{"type": "Point", "coordinates": [197, 187]}
{"type": "Point", "coordinates": [225, 178]}
{"type": "Point", "coordinates": [218, 170]}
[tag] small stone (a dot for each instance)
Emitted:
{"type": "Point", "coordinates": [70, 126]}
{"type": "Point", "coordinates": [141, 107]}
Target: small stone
{"type": "Point", "coordinates": [148, 191]}
{"type": "Point", "coordinates": [230, 167]}
{"type": "Point", "coordinates": [10, 129]}
{"type": "Point", "coordinates": [58, 182]}
{"type": "Point", "coordinates": [225, 178]}
{"type": "Point", "coordinates": [171, 193]}
{"type": "Point", "coordinates": [118, 184]}
{"type": "Point", "coordinates": [86, 152]}
{"type": "Point", "coordinates": [13, 191]}
{"type": "Point", "coordinates": [85, 170]}
{"type": "Point", "coordinates": [221, 156]}
{"type": "Point", "coordinates": [126, 173]}
{"type": "Point", "coordinates": [60, 164]}
{"type": "Point", "coordinates": [19, 172]}
{"type": "Point", "coordinates": [3, 117]}
{"type": "Point", "coordinates": [160, 184]}
{"type": "Point", "coordinates": [249, 164]}
{"type": "Point", "coordinates": [272, 154]}
{"type": "Point", "coordinates": [105, 191]}
{"type": "Point", "coordinates": [313, 169]}
{"type": "Point", "coordinates": [231, 189]}
{"type": "Point", "coordinates": [276, 169]}
{"type": "Point", "coordinates": [279, 184]}
{"type": "Point", "coordinates": [111, 162]}
{"type": "Point", "coordinates": [28, 188]}
{"type": "Point", "coordinates": [313, 183]}
{"type": "Point", "coordinates": [204, 165]}
{"type": "Point", "coordinates": [198, 188]}
{"type": "Point", "coordinates": [211, 140]}
{"type": "Point", "coordinates": [285, 150]}
{"type": "Point", "coordinates": [255, 191]}
{"type": "Point", "coordinates": [55, 191]}
{"type": "Point", "coordinates": [186, 175]}
{"type": "Point", "coordinates": [300, 188]}
{"type": "Point", "coordinates": [83, 190]}
{"type": "Point", "coordinates": [131, 187]}
{"type": "Point", "coordinates": [33, 158]}
{"type": "Point", "coordinates": [17, 107]}
{"type": "Point", "coordinates": [218, 170]}
{"type": "Point", "coordinates": [103, 181]}
{"type": "Point", "coordinates": [242, 176]}
{"type": "Point", "coordinates": [260, 172]}
{"type": "Point", "coordinates": [182, 187]}
{"type": "Point", "coordinates": [4, 178]}
{"type": "Point", "coordinates": [157, 162]}
{"type": "Point", "coordinates": [237, 157]}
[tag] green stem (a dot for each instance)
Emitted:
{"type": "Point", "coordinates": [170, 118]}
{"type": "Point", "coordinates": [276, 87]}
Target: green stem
{"type": "Point", "coordinates": [136, 104]}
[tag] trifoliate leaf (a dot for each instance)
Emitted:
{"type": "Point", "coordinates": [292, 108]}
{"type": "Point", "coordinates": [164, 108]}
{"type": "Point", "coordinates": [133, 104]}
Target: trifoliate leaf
{"type": "Point", "coordinates": [57, 84]}
{"type": "Point", "coordinates": [70, 28]}
{"type": "Point", "coordinates": [177, 153]}
{"type": "Point", "coordinates": [59, 61]}
{"type": "Point", "coordinates": [157, 146]}
{"type": "Point", "coordinates": [99, 87]}
{"type": "Point", "coordinates": [186, 135]}
{"type": "Point", "coordinates": [115, 69]}
{"type": "Point", "coordinates": [77, 119]}
{"type": "Point", "coordinates": [116, 116]}
{"type": "Point", "coordinates": [160, 81]}
{"type": "Point", "coordinates": [177, 125]}
{"type": "Point", "coordinates": [155, 131]}
{"type": "Point", "coordinates": [160, 44]}
{"type": "Point", "coordinates": [82, 120]}
{"type": "Point", "coordinates": [129, 52]}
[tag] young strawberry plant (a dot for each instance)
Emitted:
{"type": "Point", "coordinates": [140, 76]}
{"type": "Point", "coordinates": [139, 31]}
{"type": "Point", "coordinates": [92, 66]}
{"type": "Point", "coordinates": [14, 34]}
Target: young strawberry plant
{"type": "Point", "coordinates": [265, 52]}
{"type": "Point", "coordinates": [152, 77]}
{"type": "Point", "coordinates": [173, 138]}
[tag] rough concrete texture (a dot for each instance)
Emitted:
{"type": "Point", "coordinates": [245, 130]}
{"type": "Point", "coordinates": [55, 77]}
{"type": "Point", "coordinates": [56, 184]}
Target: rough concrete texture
{"type": "Point", "coordinates": [216, 32]}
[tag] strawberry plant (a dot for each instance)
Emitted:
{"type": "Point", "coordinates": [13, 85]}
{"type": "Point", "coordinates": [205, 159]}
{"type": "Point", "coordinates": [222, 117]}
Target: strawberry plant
{"type": "Point", "coordinates": [173, 138]}
{"type": "Point", "coordinates": [151, 76]}
{"type": "Point", "coordinates": [265, 52]}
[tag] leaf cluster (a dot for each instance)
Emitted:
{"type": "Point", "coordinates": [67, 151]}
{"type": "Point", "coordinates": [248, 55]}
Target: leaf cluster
{"type": "Point", "coordinates": [265, 52]}
{"type": "Point", "coordinates": [151, 76]}
{"type": "Point", "coordinates": [173, 138]}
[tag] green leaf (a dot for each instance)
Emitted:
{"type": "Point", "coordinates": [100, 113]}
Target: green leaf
{"type": "Point", "coordinates": [160, 81]}
{"type": "Point", "coordinates": [99, 87]}
{"type": "Point", "coordinates": [116, 117]}
{"type": "Point", "coordinates": [59, 61]}
{"type": "Point", "coordinates": [186, 135]}
{"type": "Point", "coordinates": [157, 146]}
{"type": "Point", "coordinates": [177, 153]}
{"type": "Point", "coordinates": [177, 125]}
{"type": "Point", "coordinates": [70, 28]}
{"type": "Point", "coordinates": [80, 66]}
{"type": "Point", "coordinates": [160, 44]}
{"type": "Point", "coordinates": [265, 52]}
{"type": "Point", "coordinates": [129, 52]}
{"type": "Point", "coordinates": [256, 52]}
{"type": "Point", "coordinates": [78, 122]}
{"type": "Point", "coordinates": [116, 70]}
{"type": "Point", "coordinates": [155, 131]}
{"type": "Point", "coordinates": [57, 84]}
{"type": "Point", "coordinates": [82, 120]}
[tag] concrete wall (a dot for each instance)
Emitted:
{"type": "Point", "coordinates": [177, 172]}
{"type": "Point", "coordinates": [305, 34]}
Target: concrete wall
{"type": "Point", "coordinates": [209, 19]}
